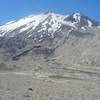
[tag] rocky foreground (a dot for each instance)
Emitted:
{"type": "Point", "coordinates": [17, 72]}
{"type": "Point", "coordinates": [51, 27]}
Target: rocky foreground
{"type": "Point", "coordinates": [71, 85]}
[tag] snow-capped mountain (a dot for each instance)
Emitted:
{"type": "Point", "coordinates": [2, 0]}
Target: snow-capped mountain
{"type": "Point", "coordinates": [65, 37]}
{"type": "Point", "coordinates": [50, 22]}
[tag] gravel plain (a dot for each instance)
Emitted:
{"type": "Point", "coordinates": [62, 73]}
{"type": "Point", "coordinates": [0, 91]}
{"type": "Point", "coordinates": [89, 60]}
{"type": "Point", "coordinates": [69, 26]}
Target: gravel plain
{"type": "Point", "coordinates": [27, 86]}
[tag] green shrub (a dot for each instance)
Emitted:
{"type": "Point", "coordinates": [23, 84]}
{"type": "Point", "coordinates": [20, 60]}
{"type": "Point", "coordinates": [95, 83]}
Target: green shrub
{"type": "Point", "coordinates": [3, 66]}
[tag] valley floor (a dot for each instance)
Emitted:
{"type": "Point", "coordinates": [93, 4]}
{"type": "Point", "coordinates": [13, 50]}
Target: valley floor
{"type": "Point", "coordinates": [26, 86]}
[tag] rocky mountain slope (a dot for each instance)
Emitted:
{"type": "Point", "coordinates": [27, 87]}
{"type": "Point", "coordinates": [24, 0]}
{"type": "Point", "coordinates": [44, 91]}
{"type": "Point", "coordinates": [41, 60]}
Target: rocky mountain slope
{"type": "Point", "coordinates": [50, 39]}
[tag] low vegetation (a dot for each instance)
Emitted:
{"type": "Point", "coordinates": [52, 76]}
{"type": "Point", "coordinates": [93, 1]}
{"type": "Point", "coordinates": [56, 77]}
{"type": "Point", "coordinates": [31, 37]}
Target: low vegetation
{"type": "Point", "coordinates": [5, 67]}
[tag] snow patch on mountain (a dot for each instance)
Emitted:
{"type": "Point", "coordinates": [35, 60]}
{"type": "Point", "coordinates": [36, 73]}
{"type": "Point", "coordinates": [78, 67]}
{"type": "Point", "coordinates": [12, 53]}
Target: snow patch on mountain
{"type": "Point", "coordinates": [35, 19]}
{"type": "Point", "coordinates": [77, 17]}
{"type": "Point", "coordinates": [83, 28]}
{"type": "Point", "coordinates": [10, 22]}
{"type": "Point", "coordinates": [98, 26]}
{"type": "Point", "coordinates": [54, 21]}
{"type": "Point", "coordinates": [89, 23]}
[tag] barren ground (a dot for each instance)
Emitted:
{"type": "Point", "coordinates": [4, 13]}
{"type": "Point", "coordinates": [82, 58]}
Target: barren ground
{"type": "Point", "coordinates": [77, 85]}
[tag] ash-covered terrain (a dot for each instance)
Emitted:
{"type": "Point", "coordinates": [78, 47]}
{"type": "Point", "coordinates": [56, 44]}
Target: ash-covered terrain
{"type": "Point", "coordinates": [50, 56]}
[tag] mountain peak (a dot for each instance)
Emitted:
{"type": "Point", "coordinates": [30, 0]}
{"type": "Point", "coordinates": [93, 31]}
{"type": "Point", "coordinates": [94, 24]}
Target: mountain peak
{"type": "Point", "coordinates": [81, 21]}
{"type": "Point", "coordinates": [77, 17]}
{"type": "Point", "coordinates": [48, 20]}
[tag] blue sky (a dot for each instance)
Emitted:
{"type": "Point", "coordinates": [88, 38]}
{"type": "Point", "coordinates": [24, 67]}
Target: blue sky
{"type": "Point", "coordinates": [16, 9]}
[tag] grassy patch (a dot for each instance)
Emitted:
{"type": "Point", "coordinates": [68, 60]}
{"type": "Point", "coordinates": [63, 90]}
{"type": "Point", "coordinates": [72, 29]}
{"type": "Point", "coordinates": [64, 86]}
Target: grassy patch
{"type": "Point", "coordinates": [4, 67]}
